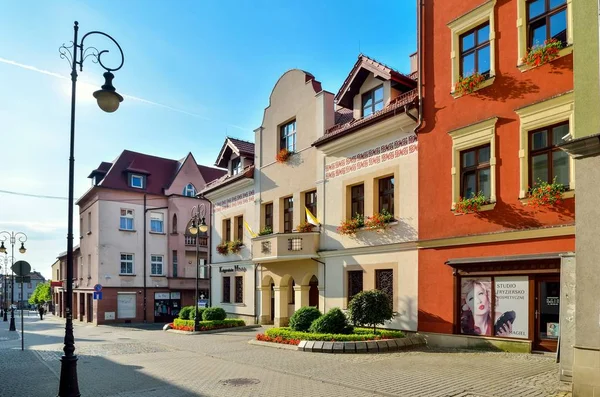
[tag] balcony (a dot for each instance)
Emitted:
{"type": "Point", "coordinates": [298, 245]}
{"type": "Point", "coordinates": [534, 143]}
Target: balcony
{"type": "Point", "coordinates": [285, 247]}
{"type": "Point", "coordinates": [191, 241]}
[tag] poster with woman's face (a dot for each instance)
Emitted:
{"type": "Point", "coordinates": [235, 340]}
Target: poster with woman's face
{"type": "Point", "coordinates": [476, 308]}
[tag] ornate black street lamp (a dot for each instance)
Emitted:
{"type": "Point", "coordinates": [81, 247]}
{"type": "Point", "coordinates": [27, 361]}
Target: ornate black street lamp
{"type": "Point", "coordinates": [108, 100]}
{"type": "Point", "coordinates": [12, 238]}
{"type": "Point", "coordinates": [6, 263]}
{"type": "Point", "coordinates": [198, 225]}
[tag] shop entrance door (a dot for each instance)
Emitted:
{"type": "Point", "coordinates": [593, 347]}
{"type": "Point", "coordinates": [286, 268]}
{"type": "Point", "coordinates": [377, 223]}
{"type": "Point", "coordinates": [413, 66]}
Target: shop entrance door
{"type": "Point", "coordinates": [546, 314]}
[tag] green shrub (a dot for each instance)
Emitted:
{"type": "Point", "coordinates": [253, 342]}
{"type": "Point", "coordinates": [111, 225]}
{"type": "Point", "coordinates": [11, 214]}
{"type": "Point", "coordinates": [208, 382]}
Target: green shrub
{"type": "Point", "coordinates": [334, 322]}
{"type": "Point", "coordinates": [303, 318]}
{"type": "Point", "coordinates": [188, 325]}
{"type": "Point", "coordinates": [214, 313]}
{"type": "Point", "coordinates": [193, 313]}
{"type": "Point", "coordinates": [359, 334]}
{"type": "Point", "coordinates": [184, 313]}
{"type": "Point", "coordinates": [370, 308]}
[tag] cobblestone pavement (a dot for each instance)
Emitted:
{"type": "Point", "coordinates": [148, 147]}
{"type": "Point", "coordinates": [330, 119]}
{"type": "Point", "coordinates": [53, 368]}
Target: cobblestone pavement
{"type": "Point", "coordinates": [144, 361]}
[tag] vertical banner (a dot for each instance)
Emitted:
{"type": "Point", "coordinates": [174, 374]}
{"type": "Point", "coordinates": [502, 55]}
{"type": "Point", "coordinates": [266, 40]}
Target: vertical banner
{"type": "Point", "coordinates": [476, 306]}
{"type": "Point", "coordinates": [512, 307]}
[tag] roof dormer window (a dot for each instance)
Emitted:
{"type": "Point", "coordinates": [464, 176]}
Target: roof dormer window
{"type": "Point", "coordinates": [236, 166]}
{"type": "Point", "coordinates": [372, 101]}
{"type": "Point", "coordinates": [137, 181]}
{"type": "Point", "coordinates": [189, 190]}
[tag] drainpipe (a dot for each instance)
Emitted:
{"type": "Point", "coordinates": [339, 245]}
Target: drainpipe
{"type": "Point", "coordinates": [144, 258]}
{"type": "Point", "coordinates": [419, 64]}
{"type": "Point", "coordinates": [255, 294]}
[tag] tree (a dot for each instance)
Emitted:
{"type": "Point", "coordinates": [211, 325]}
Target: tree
{"type": "Point", "coordinates": [41, 294]}
{"type": "Point", "coordinates": [371, 308]}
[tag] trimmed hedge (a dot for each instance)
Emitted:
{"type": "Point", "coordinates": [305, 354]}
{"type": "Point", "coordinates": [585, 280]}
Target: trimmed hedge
{"type": "Point", "coordinates": [334, 322]}
{"type": "Point", "coordinates": [214, 314]}
{"type": "Point", "coordinates": [303, 318]}
{"type": "Point", "coordinates": [184, 313]}
{"type": "Point", "coordinates": [188, 325]}
{"type": "Point", "coordinates": [192, 315]}
{"type": "Point", "coordinates": [359, 334]}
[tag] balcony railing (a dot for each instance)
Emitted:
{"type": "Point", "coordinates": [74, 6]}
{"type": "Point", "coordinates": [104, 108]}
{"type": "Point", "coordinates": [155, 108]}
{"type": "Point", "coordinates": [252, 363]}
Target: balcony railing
{"type": "Point", "coordinates": [285, 247]}
{"type": "Point", "coordinates": [191, 240]}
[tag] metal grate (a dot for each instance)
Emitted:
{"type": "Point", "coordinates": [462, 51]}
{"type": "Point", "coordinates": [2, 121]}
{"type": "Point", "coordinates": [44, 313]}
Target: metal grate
{"type": "Point", "coordinates": [295, 244]}
{"type": "Point", "coordinates": [385, 282]}
{"type": "Point", "coordinates": [265, 247]}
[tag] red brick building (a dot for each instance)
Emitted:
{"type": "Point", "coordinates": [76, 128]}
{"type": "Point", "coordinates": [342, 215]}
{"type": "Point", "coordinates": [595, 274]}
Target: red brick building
{"type": "Point", "coordinates": [497, 273]}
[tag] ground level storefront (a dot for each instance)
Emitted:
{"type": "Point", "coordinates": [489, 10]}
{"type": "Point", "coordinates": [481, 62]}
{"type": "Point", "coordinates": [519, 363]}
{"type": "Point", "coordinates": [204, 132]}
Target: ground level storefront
{"type": "Point", "coordinates": [126, 305]}
{"type": "Point", "coordinates": [510, 290]}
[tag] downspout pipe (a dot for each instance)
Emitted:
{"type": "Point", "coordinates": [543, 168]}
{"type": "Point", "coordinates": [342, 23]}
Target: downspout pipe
{"type": "Point", "coordinates": [419, 64]}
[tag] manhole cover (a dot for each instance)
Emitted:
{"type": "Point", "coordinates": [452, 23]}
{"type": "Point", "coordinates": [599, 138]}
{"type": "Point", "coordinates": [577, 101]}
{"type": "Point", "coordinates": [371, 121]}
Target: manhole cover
{"type": "Point", "coordinates": [239, 381]}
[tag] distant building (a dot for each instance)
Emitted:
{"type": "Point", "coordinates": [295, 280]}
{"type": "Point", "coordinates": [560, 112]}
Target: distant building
{"type": "Point", "coordinates": [21, 295]}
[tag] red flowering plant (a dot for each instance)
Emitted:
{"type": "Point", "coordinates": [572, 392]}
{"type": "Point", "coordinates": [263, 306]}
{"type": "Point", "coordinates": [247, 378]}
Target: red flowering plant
{"type": "Point", "coordinates": [471, 204]}
{"type": "Point", "coordinates": [541, 54]}
{"type": "Point", "coordinates": [350, 226]}
{"type": "Point", "coordinates": [544, 194]}
{"type": "Point", "coordinates": [277, 339]}
{"type": "Point", "coordinates": [304, 227]}
{"type": "Point", "coordinates": [379, 221]}
{"type": "Point", "coordinates": [235, 247]}
{"type": "Point", "coordinates": [223, 248]}
{"type": "Point", "coordinates": [468, 84]}
{"type": "Point", "coordinates": [283, 155]}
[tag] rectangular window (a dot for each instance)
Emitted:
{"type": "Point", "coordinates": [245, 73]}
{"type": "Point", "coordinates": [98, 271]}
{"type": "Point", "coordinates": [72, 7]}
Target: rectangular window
{"type": "Point", "coordinates": [89, 265]}
{"type": "Point", "coordinates": [89, 222]}
{"type": "Point", "coordinates": [386, 194]}
{"type": "Point", "coordinates": [357, 200]}
{"type": "Point", "coordinates": [227, 230]}
{"type": "Point", "coordinates": [269, 216]}
{"type": "Point", "coordinates": [136, 181]}
{"type": "Point", "coordinates": [126, 264]}
{"type": "Point", "coordinates": [156, 222]}
{"type": "Point", "coordinates": [475, 172]}
{"type": "Point", "coordinates": [475, 51]}
{"type": "Point", "coordinates": [156, 265]}
{"type": "Point", "coordinates": [287, 138]}
{"type": "Point", "coordinates": [546, 160]}
{"type": "Point", "coordinates": [546, 19]}
{"type": "Point", "coordinates": [355, 283]}
{"type": "Point", "coordinates": [310, 201]}
{"type": "Point", "coordinates": [239, 230]}
{"type": "Point", "coordinates": [226, 289]}
{"type": "Point", "coordinates": [81, 227]}
{"type": "Point", "coordinates": [236, 166]}
{"type": "Point", "coordinates": [239, 289]}
{"type": "Point", "coordinates": [126, 220]}
{"type": "Point", "coordinates": [384, 281]}
{"type": "Point", "coordinates": [288, 214]}
{"type": "Point", "coordinates": [174, 263]}
{"type": "Point", "coordinates": [372, 101]}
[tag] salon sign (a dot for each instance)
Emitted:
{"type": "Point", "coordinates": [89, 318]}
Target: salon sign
{"type": "Point", "coordinates": [233, 269]}
{"type": "Point", "coordinates": [235, 201]}
{"type": "Point", "coordinates": [374, 156]}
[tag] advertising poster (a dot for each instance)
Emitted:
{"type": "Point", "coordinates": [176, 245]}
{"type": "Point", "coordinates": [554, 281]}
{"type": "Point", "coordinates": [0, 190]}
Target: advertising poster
{"type": "Point", "coordinates": [512, 307]}
{"type": "Point", "coordinates": [476, 306]}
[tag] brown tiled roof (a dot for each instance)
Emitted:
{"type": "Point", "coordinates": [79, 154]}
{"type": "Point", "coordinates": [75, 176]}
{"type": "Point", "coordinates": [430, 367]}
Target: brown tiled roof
{"type": "Point", "coordinates": [159, 172]}
{"type": "Point", "coordinates": [210, 174]}
{"type": "Point", "coordinates": [343, 116]}
{"type": "Point", "coordinates": [396, 106]}
{"type": "Point", "coordinates": [247, 173]}
{"type": "Point", "coordinates": [243, 146]}
{"type": "Point", "coordinates": [102, 169]}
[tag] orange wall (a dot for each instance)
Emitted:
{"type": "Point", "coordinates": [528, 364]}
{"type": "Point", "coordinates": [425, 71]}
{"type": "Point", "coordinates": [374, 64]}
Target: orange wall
{"type": "Point", "coordinates": [442, 113]}
{"type": "Point", "coordinates": [436, 282]}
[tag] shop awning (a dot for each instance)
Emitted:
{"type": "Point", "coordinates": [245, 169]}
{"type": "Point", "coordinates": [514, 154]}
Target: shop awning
{"type": "Point", "coordinates": [509, 258]}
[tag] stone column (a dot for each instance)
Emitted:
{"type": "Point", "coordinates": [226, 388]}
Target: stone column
{"type": "Point", "coordinates": [301, 295]}
{"type": "Point", "coordinates": [265, 304]}
{"type": "Point", "coordinates": [281, 306]}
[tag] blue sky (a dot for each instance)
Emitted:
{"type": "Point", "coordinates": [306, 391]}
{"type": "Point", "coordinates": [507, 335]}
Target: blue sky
{"type": "Point", "coordinates": [203, 70]}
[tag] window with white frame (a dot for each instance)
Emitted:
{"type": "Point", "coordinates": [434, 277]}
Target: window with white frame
{"type": "Point", "coordinates": [189, 190]}
{"type": "Point", "coordinates": [137, 181]}
{"type": "Point", "coordinates": [126, 264]}
{"type": "Point", "coordinates": [156, 222]}
{"type": "Point", "coordinates": [287, 136]}
{"type": "Point", "coordinates": [156, 265]}
{"type": "Point", "coordinates": [126, 220]}
{"type": "Point", "coordinates": [236, 166]}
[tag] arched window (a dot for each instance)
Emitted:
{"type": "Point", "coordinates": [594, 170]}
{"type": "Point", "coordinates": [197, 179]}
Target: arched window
{"type": "Point", "coordinates": [174, 223]}
{"type": "Point", "coordinates": [189, 190]}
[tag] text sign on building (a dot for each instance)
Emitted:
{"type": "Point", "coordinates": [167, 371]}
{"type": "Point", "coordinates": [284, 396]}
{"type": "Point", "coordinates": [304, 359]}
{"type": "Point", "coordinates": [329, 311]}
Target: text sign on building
{"type": "Point", "coordinates": [235, 268]}
{"type": "Point", "coordinates": [512, 298]}
{"type": "Point", "coordinates": [374, 156]}
{"type": "Point", "coordinates": [235, 201]}
{"type": "Point", "coordinates": [161, 295]}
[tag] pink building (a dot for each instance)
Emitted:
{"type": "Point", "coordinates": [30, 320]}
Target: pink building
{"type": "Point", "coordinates": [134, 239]}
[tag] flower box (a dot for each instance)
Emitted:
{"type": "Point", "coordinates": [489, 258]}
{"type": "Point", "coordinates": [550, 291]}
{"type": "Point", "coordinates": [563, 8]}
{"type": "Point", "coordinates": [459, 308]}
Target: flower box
{"type": "Point", "coordinates": [305, 227]}
{"type": "Point", "coordinates": [223, 248]}
{"type": "Point", "coordinates": [379, 221]}
{"type": "Point", "coordinates": [467, 85]}
{"type": "Point", "coordinates": [283, 155]}
{"type": "Point", "coordinates": [472, 204]}
{"type": "Point", "coordinates": [235, 246]}
{"type": "Point", "coordinates": [541, 54]}
{"type": "Point", "coordinates": [544, 194]}
{"type": "Point", "coordinates": [350, 226]}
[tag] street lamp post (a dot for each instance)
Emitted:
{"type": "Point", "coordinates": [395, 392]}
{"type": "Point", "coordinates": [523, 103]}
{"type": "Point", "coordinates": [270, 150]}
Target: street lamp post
{"type": "Point", "coordinates": [6, 261]}
{"type": "Point", "coordinates": [108, 100]}
{"type": "Point", "coordinates": [198, 225]}
{"type": "Point", "coordinates": [12, 238]}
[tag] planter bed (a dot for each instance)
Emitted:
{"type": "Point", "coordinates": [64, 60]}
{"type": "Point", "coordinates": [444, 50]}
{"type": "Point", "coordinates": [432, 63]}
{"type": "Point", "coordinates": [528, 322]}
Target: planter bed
{"type": "Point", "coordinates": [359, 335]}
{"type": "Point", "coordinates": [187, 326]}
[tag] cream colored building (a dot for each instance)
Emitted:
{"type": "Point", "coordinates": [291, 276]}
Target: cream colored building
{"type": "Point", "coordinates": [332, 151]}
